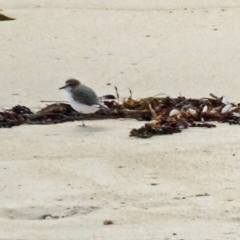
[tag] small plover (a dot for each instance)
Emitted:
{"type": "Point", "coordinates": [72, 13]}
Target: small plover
{"type": "Point", "coordinates": [82, 98]}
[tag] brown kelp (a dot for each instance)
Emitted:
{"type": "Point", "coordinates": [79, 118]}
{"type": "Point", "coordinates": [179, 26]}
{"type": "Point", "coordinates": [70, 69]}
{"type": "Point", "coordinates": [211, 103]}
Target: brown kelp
{"type": "Point", "coordinates": [165, 115]}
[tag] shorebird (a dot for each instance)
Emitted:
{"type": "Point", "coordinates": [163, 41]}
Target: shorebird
{"type": "Point", "coordinates": [82, 98]}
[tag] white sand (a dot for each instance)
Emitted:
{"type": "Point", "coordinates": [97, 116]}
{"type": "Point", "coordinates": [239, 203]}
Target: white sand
{"type": "Point", "coordinates": [88, 175]}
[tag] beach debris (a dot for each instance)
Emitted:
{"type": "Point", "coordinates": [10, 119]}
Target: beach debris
{"type": "Point", "coordinates": [47, 217]}
{"type": "Point", "coordinates": [5, 18]}
{"type": "Point", "coordinates": [191, 196]}
{"type": "Point", "coordinates": [116, 90]}
{"type": "Point", "coordinates": [107, 97]}
{"type": "Point", "coordinates": [202, 195]}
{"type": "Point", "coordinates": [107, 222]}
{"type": "Point", "coordinates": [165, 115]}
{"type": "Point", "coordinates": [14, 117]}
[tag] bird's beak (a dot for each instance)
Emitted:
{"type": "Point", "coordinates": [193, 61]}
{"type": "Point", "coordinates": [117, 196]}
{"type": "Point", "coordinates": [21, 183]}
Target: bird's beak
{"type": "Point", "coordinates": [62, 87]}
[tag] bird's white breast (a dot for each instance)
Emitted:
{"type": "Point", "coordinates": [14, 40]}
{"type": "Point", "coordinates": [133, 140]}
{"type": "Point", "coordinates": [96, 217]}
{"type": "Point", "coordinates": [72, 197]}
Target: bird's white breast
{"type": "Point", "coordinates": [79, 107]}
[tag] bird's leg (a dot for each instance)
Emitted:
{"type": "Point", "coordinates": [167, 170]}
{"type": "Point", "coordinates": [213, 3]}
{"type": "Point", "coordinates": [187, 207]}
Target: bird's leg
{"type": "Point", "coordinates": [83, 125]}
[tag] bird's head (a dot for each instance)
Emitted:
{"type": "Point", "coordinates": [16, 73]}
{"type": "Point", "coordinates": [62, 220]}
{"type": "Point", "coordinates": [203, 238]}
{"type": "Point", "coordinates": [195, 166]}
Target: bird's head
{"type": "Point", "coordinates": [70, 84]}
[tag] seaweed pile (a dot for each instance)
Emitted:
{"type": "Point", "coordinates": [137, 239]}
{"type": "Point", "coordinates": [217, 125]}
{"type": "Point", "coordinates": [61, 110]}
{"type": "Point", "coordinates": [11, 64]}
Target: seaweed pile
{"type": "Point", "coordinates": [165, 115]}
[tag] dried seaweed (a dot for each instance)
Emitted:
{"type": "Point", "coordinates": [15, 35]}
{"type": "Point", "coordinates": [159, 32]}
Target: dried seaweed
{"type": "Point", "coordinates": [5, 18]}
{"type": "Point", "coordinates": [166, 115]}
{"type": "Point", "coordinates": [14, 117]}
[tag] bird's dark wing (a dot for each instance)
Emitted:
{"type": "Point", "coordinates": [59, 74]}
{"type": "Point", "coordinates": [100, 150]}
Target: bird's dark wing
{"type": "Point", "coordinates": [85, 95]}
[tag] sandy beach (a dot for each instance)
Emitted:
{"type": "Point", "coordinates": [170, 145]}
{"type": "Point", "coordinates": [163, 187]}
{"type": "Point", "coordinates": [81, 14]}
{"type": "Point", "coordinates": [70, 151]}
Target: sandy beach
{"type": "Point", "coordinates": [63, 181]}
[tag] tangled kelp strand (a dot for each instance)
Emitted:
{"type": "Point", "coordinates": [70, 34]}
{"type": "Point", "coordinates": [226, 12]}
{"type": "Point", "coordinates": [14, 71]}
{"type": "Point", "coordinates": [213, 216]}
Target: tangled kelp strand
{"type": "Point", "coordinates": [14, 117]}
{"type": "Point", "coordinates": [166, 115]}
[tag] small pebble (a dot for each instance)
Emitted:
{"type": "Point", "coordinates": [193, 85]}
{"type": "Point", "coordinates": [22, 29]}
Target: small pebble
{"type": "Point", "coordinates": [107, 222]}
